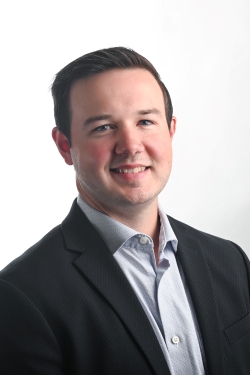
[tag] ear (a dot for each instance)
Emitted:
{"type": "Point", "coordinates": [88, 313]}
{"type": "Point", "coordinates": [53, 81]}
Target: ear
{"type": "Point", "coordinates": [63, 145]}
{"type": "Point", "coordinates": [172, 129]}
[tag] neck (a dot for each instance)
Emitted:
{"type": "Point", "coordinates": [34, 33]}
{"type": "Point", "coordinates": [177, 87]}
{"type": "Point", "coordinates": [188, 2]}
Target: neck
{"type": "Point", "coordinates": [142, 218]}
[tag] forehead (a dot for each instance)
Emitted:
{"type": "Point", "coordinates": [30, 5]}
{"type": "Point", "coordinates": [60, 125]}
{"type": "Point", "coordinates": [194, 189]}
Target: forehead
{"type": "Point", "coordinates": [132, 86]}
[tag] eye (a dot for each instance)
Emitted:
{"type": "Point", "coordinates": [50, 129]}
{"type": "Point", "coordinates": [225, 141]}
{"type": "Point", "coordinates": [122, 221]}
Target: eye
{"type": "Point", "coordinates": [146, 122]}
{"type": "Point", "coordinates": [102, 128]}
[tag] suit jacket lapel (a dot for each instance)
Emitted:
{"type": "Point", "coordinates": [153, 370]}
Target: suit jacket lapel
{"type": "Point", "coordinates": [98, 264]}
{"type": "Point", "coordinates": [200, 283]}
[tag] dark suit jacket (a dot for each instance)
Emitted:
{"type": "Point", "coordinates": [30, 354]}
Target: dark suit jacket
{"type": "Point", "coordinates": [67, 308]}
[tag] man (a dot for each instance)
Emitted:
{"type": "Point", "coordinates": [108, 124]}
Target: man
{"type": "Point", "coordinates": [118, 287]}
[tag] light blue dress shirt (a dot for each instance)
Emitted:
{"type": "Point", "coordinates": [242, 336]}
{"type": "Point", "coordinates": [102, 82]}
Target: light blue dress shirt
{"type": "Point", "coordinates": [161, 290]}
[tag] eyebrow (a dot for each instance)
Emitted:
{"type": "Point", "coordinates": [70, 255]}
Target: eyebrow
{"type": "Point", "coordinates": [149, 111]}
{"type": "Point", "coordinates": [90, 120]}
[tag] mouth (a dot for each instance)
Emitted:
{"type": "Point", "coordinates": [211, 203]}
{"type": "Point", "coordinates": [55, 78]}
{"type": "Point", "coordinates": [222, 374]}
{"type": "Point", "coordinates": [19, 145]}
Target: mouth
{"type": "Point", "coordinates": [129, 170]}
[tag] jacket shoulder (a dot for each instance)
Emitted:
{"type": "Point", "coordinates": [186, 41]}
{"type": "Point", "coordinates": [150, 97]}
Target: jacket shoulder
{"type": "Point", "coordinates": [185, 229]}
{"type": "Point", "coordinates": [216, 250]}
{"type": "Point", "coordinates": [40, 249]}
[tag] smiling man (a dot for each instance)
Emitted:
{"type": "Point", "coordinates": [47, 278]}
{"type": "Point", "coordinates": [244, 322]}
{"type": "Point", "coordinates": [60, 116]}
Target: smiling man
{"type": "Point", "coordinates": [119, 287]}
{"type": "Point", "coordinates": [119, 120]}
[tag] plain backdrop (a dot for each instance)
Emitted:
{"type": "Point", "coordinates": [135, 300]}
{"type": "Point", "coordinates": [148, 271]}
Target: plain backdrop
{"type": "Point", "coordinates": [202, 52]}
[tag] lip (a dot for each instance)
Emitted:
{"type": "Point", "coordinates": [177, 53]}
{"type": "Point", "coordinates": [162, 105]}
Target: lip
{"type": "Point", "coordinates": [129, 169]}
{"type": "Point", "coordinates": [129, 166]}
{"type": "Point", "coordinates": [129, 175]}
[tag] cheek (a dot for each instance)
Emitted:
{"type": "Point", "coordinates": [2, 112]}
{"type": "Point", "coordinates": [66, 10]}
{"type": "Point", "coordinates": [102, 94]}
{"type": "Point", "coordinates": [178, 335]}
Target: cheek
{"type": "Point", "coordinates": [162, 151]}
{"type": "Point", "coordinates": [95, 155]}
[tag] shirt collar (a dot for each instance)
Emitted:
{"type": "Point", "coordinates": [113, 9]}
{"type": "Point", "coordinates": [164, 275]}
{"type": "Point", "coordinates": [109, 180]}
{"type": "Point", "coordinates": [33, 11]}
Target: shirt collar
{"type": "Point", "coordinates": [166, 232]}
{"type": "Point", "coordinates": [114, 233]}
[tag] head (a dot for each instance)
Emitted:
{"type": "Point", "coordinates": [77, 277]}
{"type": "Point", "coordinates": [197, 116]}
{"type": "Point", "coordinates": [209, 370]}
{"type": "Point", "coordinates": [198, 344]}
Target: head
{"type": "Point", "coordinates": [89, 65]}
{"type": "Point", "coordinates": [115, 125]}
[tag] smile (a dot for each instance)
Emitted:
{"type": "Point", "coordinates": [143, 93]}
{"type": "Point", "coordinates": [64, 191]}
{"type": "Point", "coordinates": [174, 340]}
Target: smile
{"type": "Point", "coordinates": [130, 170]}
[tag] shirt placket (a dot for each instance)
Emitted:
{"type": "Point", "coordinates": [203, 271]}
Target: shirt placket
{"type": "Point", "coordinates": [179, 330]}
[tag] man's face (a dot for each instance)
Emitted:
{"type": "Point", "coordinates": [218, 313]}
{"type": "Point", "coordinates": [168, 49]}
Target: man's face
{"type": "Point", "coordinates": [121, 144]}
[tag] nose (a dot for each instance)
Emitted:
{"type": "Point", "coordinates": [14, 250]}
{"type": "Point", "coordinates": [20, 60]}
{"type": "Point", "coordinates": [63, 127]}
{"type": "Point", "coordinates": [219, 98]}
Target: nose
{"type": "Point", "coordinates": [129, 141]}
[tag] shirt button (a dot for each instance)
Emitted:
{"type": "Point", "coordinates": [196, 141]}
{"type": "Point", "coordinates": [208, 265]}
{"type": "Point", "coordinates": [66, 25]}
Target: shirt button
{"type": "Point", "coordinates": [175, 340]}
{"type": "Point", "coordinates": [143, 240]}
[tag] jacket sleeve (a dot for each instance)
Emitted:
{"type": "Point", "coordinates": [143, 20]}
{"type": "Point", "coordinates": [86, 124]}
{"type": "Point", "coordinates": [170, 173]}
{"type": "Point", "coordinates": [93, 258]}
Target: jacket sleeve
{"type": "Point", "coordinates": [27, 344]}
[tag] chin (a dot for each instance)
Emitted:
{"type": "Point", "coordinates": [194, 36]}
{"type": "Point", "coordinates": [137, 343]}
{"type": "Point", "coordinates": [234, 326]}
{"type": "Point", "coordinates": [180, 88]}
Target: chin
{"type": "Point", "coordinates": [136, 199]}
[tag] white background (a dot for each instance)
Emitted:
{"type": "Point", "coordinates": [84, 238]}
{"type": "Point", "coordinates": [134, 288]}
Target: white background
{"type": "Point", "coordinates": [202, 52]}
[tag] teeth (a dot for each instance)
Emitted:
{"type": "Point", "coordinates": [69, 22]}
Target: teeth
{"type": "Point", "coordinates": [131, 170]}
